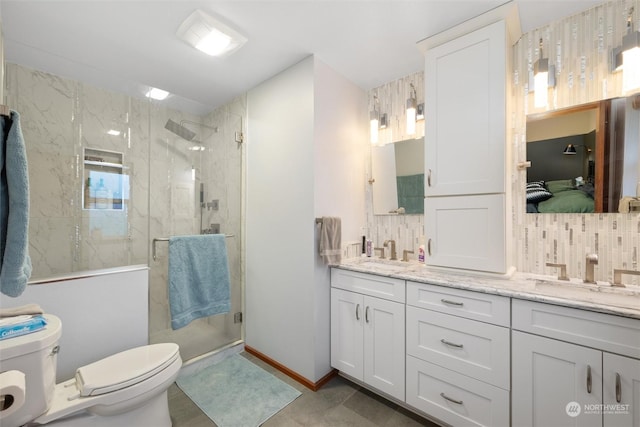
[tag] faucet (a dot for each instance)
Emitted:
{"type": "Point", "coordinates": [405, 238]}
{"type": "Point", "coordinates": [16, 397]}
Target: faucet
{"type": "Point", "coordinates": [562, 274]}
{"type": "Point", "coordinates": [405, 252]}
{"type": "Point", "coordinates": [590, 262]}
{"type": "Point", "coordinates": [617, 276]}
{"type": "Point", "coordinates": [393, 256]}
{"type": "Point", "coordinates": [381, 252]}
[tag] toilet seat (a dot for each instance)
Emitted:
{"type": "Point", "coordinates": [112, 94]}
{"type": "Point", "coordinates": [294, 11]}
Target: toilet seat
{"type": "Point", "coordinates": [124, 369]}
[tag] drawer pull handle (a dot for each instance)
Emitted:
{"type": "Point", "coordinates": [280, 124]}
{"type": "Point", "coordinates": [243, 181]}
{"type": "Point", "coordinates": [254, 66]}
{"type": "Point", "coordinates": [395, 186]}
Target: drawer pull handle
{"type": "Point", "coordinates": [447, 301]}
{"type": "Point", "coordinates": [358, 312]}
{"type": "Point", "coordinates": [458, 402]}
{"type": "Point", "coordinates": [618, 388]}
{"type": "Point", "coordinates": [366, 314]}
{"type": "Point", "coordinates": [588, 378]}
{"type": "Point", "coordinates": [443, 341]}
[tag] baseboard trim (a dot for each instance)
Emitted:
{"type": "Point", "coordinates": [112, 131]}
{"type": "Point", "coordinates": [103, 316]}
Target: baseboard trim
{"type": "Point", "coordinates": [315, 386]}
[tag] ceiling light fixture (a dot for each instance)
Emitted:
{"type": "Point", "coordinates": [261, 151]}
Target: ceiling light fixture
{"type": "Point", "coordinates": [543, 79]}
{"type": "Point", "coordinates": [113, 132]}
{"type": "Point", "coordinates": [412, 105]}
{"type": "Point", "coordinates": [210, 35]}
{"type": "Point", "coordinates": [157, 94]}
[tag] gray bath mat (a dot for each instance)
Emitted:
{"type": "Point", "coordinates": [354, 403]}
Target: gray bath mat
{"type": "Point", "coordinates": [237, 393]}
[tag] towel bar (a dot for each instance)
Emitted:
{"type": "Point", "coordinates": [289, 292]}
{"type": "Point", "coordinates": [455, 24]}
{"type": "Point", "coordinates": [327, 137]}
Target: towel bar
{"type": "Point", "coordinates": [166, 239]}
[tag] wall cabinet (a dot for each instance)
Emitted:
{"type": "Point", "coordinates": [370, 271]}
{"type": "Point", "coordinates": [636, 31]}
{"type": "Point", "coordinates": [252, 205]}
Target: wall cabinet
{"type": "Point", "coordinates": [368, 332]}
{"type": "Point", "coordinates": [580, 382]}
{"type": "Point", "coordinates": [465, 151]}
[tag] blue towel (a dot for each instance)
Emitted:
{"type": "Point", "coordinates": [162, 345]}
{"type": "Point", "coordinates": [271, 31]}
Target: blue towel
{"type": "Point", "coordinates": [198, 278]}
{"type": "Point", "coordinates": [15, 264]}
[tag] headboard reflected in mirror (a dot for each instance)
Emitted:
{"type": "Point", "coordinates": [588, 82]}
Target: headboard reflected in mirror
{"type": "Point", "coordinates": [584, 159]}
{"type": "Point", "coordinates": [398, 177]}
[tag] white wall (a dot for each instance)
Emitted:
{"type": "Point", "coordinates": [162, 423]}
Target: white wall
{"type": "Point", "coordinates": [101, 315]}
{"type": "Point", "coordinates": [303, 162]}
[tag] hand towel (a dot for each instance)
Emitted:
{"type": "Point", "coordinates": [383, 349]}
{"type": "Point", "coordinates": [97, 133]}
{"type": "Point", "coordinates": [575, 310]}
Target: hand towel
{"type": "Point", "coordinates": [331, 240]}
{"type": "Point", "coordinates": [199, 284]}
{"type": "Point", "coordinates": [29, 309]}
{"type": "Point", "coordinates": [15, 264]}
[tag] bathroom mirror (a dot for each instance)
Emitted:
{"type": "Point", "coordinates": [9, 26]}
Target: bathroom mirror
{"type": "Point", "coordinates": [398, 177]}
{"type": "Point", "coordinates": [584, 159]}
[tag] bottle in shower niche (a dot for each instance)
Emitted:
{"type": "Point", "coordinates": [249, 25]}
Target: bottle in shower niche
{"type": "Point", "coordinates": [103, 198]}
{"type": "Point", "coordinates": [89, 195]}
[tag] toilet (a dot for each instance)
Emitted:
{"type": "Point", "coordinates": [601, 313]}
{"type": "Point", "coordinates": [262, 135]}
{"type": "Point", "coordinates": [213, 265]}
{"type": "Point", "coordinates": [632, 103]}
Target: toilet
{"type": "Point", "coordinates": [125, 389]}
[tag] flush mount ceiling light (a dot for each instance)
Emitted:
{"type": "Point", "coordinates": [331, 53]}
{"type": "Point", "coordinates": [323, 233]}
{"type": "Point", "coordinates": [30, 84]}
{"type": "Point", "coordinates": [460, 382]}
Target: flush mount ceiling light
{"type": "Point", "coordinates": [412, 105]}
{"type": "Point", "coordinates": [543, 79]}
{"type": "Point", "coordinates": [209, 34]}
{"type": "Point", "coordinates": [157, 94]}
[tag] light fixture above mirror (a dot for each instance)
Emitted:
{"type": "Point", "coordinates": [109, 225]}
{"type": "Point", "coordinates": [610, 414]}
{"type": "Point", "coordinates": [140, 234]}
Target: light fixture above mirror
{"type": "Point", "coordinates": [626, 57]}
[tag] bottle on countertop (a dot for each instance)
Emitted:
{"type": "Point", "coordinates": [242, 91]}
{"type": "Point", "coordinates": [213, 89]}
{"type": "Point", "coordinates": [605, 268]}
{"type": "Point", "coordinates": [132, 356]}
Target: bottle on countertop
{"type": "Point", "coordinates": [421, 250]}
{"type": "Point", "coordinates": [369, 248]}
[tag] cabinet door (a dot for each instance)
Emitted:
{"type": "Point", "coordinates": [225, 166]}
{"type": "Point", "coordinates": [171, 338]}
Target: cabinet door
{"type": "Point", "coordinates": [550, 382]}
{"type": "Point", "coordinates": [621, 384]}
{"type": "Point", "coordinates": [465, 105]}
{"type": "Point", "coordinates": [384, 348]}
{"type": "Point", "coordinates": [466, 232]}
{"type": "Point", "coordinates": [347, 311]}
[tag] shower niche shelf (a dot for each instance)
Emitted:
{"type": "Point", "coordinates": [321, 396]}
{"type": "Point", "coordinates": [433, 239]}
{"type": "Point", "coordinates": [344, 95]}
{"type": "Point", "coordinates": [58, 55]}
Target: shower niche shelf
{"type": "Point", "coordinates": [103, 180]}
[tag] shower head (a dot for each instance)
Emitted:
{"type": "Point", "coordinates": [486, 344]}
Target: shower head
{"type": "Point", "coordinates": [179, 130]}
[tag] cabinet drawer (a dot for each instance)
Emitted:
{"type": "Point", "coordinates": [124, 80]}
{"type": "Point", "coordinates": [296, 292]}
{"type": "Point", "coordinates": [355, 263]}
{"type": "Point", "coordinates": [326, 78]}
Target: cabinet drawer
{"type": "Point", "coordinates": [454, 398]}
{"type": "Point", "coordinates": [472, 305]}
{"type": "Point", "coordinates": [369, 284]}
{"type": "Point", "coordinates": [472, 348]}
{"type": "Point", "coordinates": [598, 330]}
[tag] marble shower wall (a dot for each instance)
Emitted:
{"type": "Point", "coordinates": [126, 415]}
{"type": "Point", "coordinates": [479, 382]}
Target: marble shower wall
{"type": "Point", "coordinates": [579, 48]}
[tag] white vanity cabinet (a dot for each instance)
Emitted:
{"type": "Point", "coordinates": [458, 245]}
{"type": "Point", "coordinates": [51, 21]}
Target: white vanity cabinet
{"type": "Point", "coordinates": [466, 156]}
{"type": "Point", "coordinates": [368, 329]}
{"type": "Point", "coordinates": [458, 355]}
{"type": "Point", "coordinates": [574, 367]}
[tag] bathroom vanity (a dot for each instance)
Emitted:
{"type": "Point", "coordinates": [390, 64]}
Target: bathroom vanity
{"type": "Point", "coordinates": [467, 349]}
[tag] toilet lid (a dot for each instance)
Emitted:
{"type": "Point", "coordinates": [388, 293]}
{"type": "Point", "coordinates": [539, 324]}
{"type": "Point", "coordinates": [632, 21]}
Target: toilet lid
{"type": "Point", "coordinates": [125, 369]}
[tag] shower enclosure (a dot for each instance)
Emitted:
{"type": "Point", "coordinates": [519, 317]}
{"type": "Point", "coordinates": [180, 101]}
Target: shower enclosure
{"type": "Point", "coordinates": [107, 177]}
{"type": "Point", "coordinates": [196, 178]}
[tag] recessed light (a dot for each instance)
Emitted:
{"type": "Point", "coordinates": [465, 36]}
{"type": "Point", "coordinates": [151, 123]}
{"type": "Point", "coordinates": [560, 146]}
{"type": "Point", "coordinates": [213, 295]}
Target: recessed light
{"type": "Point", "coordinates": [157, 94]}
{"type": "Point", "coordinates": [113, 132]}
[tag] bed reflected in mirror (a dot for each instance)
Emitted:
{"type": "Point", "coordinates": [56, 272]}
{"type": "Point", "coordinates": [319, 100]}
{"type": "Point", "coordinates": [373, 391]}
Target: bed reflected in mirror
{"type": "Point", "coordinates": [584, 159]}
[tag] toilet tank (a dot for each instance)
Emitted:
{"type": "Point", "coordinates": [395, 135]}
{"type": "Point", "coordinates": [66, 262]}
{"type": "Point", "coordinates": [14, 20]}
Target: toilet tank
{"type": "Point", "coordinates": [35, 355]}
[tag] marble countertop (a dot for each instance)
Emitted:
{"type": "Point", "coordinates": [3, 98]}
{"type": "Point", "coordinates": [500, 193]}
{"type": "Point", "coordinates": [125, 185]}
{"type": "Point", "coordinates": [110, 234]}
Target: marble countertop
{"type": "Point", "coordinates": [600, 297]}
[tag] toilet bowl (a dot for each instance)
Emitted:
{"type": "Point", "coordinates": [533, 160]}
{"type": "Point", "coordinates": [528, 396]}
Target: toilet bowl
{"type": "Point", "coordinates": [125, 389]}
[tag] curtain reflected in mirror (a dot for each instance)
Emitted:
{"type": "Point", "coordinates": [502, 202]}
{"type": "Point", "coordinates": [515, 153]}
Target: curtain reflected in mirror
{"type": "Point", "coordinates": [398, 177]}
{"type": "Point", "coordinates": [584, 159]}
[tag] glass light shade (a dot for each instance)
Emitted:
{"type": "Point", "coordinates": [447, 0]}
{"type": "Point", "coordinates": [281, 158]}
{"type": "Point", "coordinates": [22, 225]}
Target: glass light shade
{"type": "Point", "coordinates": [570, 150]}
{"type": "Point", "coordinates": [374, 131]}
{"type": "Point", "coordinates": [540, 93]}
{"type": "Point", "coordinates": [631, 69]}
{"type": "Point", "coordinates": [411, 120]}
{"type": "Point", "coordinates": [215, 43]}
{"type": "Point", "coordinates": [157, 94]}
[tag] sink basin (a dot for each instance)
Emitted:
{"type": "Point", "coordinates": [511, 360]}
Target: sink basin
{"type": "Point", "coordinates": [383, 265]}
{"type": "Point", "coordinates": [601, 292]}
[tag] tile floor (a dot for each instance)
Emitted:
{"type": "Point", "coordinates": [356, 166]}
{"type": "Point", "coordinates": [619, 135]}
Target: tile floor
{"type": "Point", "coordinates": [338, 403]}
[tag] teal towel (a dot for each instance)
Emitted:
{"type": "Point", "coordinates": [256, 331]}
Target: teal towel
{"type": "Point", "coordinates": [198, 278]}
{"type": "Point", "coordinates": [15, 264]}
